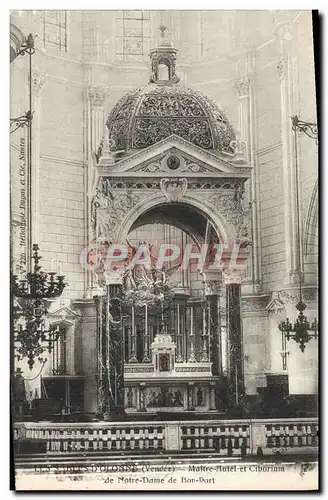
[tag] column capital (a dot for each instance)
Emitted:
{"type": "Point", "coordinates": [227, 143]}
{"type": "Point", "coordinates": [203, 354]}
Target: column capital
{"type": "Point", "coordinates": [38, 81]}
{"type": "Point", "coordinates": [233, 276]}
{"type": "Point", "coordinates": [284, 31]}
{"type": "Point", "coordinates": [213, 287]}
{"type": "Point", "coordinates": [241, 86]}
{"type": "Point", "coordinates": [114, 277]}
{"type": "Point", "coordinates": [97, 95]}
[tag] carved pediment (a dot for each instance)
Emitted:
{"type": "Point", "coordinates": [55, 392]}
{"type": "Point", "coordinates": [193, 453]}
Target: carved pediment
{"type": "Point", "coordinates": [174, 157]}
{"type": "Point", "coordinates": [62, 314]}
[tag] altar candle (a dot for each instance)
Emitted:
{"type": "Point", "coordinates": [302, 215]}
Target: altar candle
{"type": "Point", "coordinates": [204, 322]}
{"type": "Point", "coordinates": [60, 268]}
{"type": "Point", "coordinates": [132, 320]}
{"type": "Point", "coordinates": [52, 264]}
{"type": "Point", "coordinates": [146, 320]}
{"type": "Point", "coordinates": [191, 320]}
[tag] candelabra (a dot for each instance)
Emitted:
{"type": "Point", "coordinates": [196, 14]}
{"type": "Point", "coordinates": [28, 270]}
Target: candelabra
{"type": "Point", "coordinates": [302, 331]}
{"type": "Point", "coordinates": [31, 337]}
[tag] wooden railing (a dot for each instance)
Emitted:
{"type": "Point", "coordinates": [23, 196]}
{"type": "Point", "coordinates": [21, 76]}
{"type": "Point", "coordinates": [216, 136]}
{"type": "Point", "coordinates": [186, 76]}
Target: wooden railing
{"type": "Point", "coordinates": [224, 437]}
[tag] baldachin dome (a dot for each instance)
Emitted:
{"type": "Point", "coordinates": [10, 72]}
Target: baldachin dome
{"type": "Point", "coordinates": [147, 115]}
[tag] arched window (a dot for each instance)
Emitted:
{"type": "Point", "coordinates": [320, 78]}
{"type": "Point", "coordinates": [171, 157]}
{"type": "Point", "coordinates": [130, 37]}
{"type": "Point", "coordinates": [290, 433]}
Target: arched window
{"type": "Point", "coordinates": [133, 32]}
{"type": "Point", "coordinates": [54, 25]}
{"type": "Point", "coordinates": [163, 72]}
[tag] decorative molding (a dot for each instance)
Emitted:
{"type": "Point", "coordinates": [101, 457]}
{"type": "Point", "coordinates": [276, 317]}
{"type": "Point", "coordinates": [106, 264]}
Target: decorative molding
{"type": "Point", "coordinates": [112, 211]}
{"type": "Point", "coordinates": [218, 161]}
{"type": "Point", "coordinates": [242, 86]}
{"type": "Point", "coordinates": [97, 95]}
{"type": "Point", "coordinates": [174, 189]}
{"type": "Point", "coordinates": [64, 161]}
{"type": "Point", "coordinates": [309, 295]}
{"type": "Point", "coordinates": [194, 368]}
{"type": "Point", "coordinates": [276, 304]}
{"type": "Point", "coordinates": [254, 303]}
{"type": "Point", "coordinates": [146, 368]}
{"type": "Point", "coordinates": [234, 208]}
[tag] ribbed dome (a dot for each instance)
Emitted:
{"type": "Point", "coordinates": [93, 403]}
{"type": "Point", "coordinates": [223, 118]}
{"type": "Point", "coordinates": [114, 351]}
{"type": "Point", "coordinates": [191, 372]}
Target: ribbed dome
{"type": "Point", "coordinates": [156, 111]}
{"type": "Point", "coordinates": [164, 107]}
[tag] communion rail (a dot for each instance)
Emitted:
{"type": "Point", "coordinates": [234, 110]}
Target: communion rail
{"type": "Point", "coordinates": [223, 437]}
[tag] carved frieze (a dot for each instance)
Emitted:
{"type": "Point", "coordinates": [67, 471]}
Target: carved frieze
{"type": "Point", "coordinates": [169, 105]}
{"type": "Point", "coordinates": [254, 303]}
{"type": "Point", "coordinates": [149, 131]}
{"type": "Point", "coordinates": [234, 208]}
{"type": "Point", "coordinates": [293, 296]}
{"type": "Point", "coordinates": [110, 216]}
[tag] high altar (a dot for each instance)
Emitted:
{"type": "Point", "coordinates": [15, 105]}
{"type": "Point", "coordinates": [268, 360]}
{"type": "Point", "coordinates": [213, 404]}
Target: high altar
{"type": "Point", "coordinates": [171, 156]}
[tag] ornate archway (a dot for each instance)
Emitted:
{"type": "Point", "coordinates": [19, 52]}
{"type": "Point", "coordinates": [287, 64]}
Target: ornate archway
{"type": "Point", "coordinates": [208, 189]}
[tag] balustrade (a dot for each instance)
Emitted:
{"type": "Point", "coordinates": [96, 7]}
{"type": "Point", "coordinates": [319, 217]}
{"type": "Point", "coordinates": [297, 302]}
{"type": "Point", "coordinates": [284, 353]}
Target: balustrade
{"type": "Point", "coordinates": [224, 437]}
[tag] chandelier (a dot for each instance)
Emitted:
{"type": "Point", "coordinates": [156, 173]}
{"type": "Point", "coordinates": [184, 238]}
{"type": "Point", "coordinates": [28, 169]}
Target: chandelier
{"type": "Point", "coordinates": [302, 331]}
{"type": "Point", "coordinates": [31, 337]}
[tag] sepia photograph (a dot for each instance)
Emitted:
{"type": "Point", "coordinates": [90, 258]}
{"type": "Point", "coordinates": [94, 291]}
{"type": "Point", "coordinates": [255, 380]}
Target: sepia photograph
{"type": "Point", "coordinates": [164, 240]}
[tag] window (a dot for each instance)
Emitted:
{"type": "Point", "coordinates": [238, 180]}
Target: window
{"type": "Point", "coordinates": [133, 35]}
{"type": "Point", "coordinates": [59, 354]}
{"type": "Point", "coordinates": [54, 23]}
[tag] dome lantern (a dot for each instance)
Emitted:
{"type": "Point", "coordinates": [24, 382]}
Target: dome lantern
{"type": "Point", "coordinates": [163, 59]}
{"type": "Point", "coordinates": [165, 107]}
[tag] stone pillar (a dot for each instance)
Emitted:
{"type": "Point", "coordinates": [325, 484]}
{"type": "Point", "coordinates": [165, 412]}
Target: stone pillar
{"type": "Point", "coordinates": [38, 81]}
{"type": "Point", "coordinates": [95, 101]}
{"type": "Point", "coordinates": [111, 350]}
{"type": "Point", "coordinates": [212, 292]}
{"type": "Point", "coordinates": [234, 332]}
{"type": "Point", "coordinates": [245, 90]}
{"type": "Point", "coordinates": [86, 353]}
{"type": "Point", "coordinates": [285, 69]}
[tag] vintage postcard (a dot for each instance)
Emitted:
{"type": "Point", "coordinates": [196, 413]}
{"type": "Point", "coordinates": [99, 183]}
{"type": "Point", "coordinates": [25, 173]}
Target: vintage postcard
{"type": "Point", "coordinates": [164, 250]}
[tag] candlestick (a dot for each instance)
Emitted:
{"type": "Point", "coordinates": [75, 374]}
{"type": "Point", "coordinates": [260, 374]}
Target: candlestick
{"type": "Point", "coordinates": [236, 381]}
{"type": "Point", "coordinates": [133, 358]}
{"type": "Point", "coordinates": [204, 321]}
{"type": "Point", "coordinates": [52, 265]}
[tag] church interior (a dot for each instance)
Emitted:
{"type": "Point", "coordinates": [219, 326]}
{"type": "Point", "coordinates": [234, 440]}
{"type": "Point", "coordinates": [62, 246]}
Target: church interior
{"type": "Point", "coordinates": [164, 215]}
